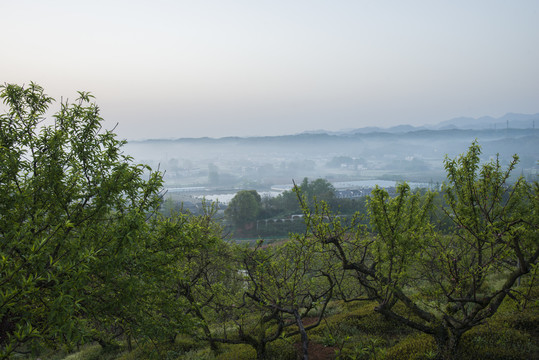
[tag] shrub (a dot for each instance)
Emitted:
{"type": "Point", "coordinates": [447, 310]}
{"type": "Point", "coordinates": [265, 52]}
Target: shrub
{"type": "Point", "coordinates": [281, 350]}
{"type": "Point", "coordinates": [204, 354]}
{"type": "Point", "coordinates": [497, 343]}
{"type": "Point", "coordinates": [89, 352]}
{"type": "Point", "coordinates": [186, 343]}
{"type": "Point", "coordinates": [414, 347]}
{"type": "Point", "coordinates": [363, 320]}
{"type": "Point", "coordinates": [237, 352]}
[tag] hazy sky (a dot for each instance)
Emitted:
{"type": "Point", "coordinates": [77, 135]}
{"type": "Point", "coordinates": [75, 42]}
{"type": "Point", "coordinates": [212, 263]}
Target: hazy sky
{"type": "Point", "coordinates": [171, 68]}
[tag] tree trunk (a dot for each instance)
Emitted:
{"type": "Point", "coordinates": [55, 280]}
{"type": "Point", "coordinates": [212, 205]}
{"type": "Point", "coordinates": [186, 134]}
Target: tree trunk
{"type": "Point", "coordinates": [447, 343]}
{"type": "Point", "coordinates": [261, 351]}
{"type": "Point", "coordinates": [129, 343]}
{"type": "Point", "coordinates": [304, 337]}
{"type": "Point", "coordinates": [186, 291]}
{"type": "Point", "coordinates": [107, 345]}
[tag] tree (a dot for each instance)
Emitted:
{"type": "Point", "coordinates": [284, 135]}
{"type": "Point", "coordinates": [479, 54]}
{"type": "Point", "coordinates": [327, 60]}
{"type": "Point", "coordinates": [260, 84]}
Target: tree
{"type": "Point", "coordinates": [195, 266]}
{"type": "Point", "coordinates": [442, 285]}
{"type": "Point", "coordinates": [262, 294]}
{"type": "Point", "coordinates": [244, 207]}
{"type": "Point", "coordinates": [144, 291]}
{"type": "Point", "coordinates": [317, 190]}
{"type": "Point", "coordinates": [284, 203]}
{"type": "Point", "coordinates": [70, 201]}
{"type": "Point", "coordinates": [289, 282]}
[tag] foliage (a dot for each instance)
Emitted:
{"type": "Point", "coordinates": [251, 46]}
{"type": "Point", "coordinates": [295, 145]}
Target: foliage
{"type": "Point", "coordinates": [86, 258]}
{"type": "Point", "coordinates": [199, 269]}
{"type": "Point", "coordinates": [414, 347]}
{"type": "Point", "coordinates": [442, 285]}
{"type": "Point", "coordinates": [290, 281]}
{"type": "Point", "coordinates": [317, 190]}
{"type": "Point", "coordinates": [244, 207]}
{"type": "Point", "coordinates": [287, 203]}
{"type": "Point", "coordinates": [69, 199]}
{"type": "Point", "coordinates": [158, 283]}
{"type": "Point", "coordinates": [277, 350]}
{"type": "Point", "coordinates": [84, 255]}
{"type": "Point", "coordinates": [496, 342]}
{"type": "Point", "coordinates": [267, 297]}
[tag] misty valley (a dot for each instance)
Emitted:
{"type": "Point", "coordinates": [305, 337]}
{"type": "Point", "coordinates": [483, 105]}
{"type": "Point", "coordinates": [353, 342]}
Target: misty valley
{"type": "Point", "coordinates": [353, 162]}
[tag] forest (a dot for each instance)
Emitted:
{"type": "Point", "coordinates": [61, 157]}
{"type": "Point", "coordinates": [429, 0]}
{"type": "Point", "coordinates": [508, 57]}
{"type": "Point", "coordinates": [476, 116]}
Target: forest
{"type": "Point", "coordinates": [90, 268]}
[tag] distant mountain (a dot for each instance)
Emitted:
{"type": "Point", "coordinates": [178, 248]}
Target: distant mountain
{"type": "Point", "coordinates": [304, 155]}
{"type": "Point", "coordinates": [369, 130]}
{"type": "Point", "coordinates": [509, 120]}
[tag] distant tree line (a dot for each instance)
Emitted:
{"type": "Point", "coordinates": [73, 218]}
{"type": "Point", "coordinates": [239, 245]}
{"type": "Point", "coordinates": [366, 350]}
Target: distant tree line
{"type": "Point", "coordinates": [248, 214]}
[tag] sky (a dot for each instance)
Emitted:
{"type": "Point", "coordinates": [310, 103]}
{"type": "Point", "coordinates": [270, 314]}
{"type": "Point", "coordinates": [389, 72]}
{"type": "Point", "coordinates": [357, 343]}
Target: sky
{"type": "Point", "coordinates": [216, 68]}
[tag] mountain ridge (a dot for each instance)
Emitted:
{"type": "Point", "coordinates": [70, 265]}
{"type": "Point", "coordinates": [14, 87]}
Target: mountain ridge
{"type": "Point", "coordinates": [509, 121]}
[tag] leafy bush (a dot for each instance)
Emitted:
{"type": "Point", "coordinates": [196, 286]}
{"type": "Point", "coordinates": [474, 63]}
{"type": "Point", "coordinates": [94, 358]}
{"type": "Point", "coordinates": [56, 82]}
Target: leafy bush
{"type": "Point", "coordinates": [281, 350]}
{"type": "Point", "coordinates": [364, 349]}
{"type": "Point", "coordinates": [204, 354]}
{"type": "Point", "coordinates": [277, 350]}
{"type": "Point", "coordinates": [89, 352]}
{"type": "Point", "coordinates": [414, 347]}
{"type": "Point", "coordinates": [489, 342]}
{"type": "Point", "coordinates": [237, 352]}
{"type": "Point", "coordinates": [361, 320]}
{"type": "Point", "coordinates": [186, 343]}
